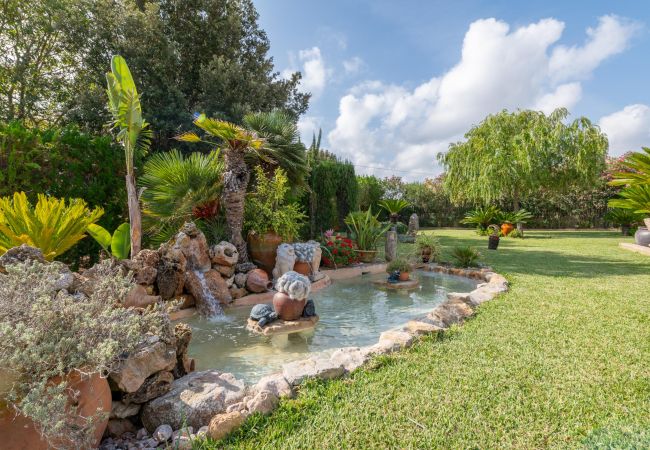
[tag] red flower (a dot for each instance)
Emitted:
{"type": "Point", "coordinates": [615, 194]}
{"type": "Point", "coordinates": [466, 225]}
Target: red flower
{"type": "Point", "coordinates": [335, 251]}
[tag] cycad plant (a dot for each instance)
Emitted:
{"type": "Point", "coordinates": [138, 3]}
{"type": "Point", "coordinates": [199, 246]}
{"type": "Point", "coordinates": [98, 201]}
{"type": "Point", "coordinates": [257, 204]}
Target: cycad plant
{"type": "Point", "coordinates": [53, 225]}
{"type": "Point", "coordinates": [132, 132]}
{"type": "Point", "coordinates": [178, 189]}
{"type": "Point", "coordinates": [235, 143]}
{"type": "Point", "coordinates": [365, 229]}
{"type": "Point", "coordinates": [482, 217]}
{"type": "Point", "coordinates": [393, 207]}
{"type": "Point", "coordinates": [465, 256]}
{"type": "Point", "coordinates": [623, 218]}
{"type": "Point", "coordinates": [635, 196]}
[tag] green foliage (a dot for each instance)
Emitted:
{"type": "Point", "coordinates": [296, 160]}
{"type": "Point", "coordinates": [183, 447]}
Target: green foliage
{"type": "Point", "coordinates": [393, 206]}
{"type": "Point", "coordinates": [482, 217]}
{"type": "Point", "coordinates": [52, 225]}
{"type": "Point", "coordinates": [428, 241]}
{"type": "Point", "coordinates": [371, 192]}
{"type": "Point", "coordinates": [514, 217]}
{"type": "Point", "coordinates": [510, 156]}
{"type": "Point", "coordinates": [178, 189]}
{"type": "Point", "coordinates": [365, 229]}
{"type": "Point", "coordinates": [635, 198]}
{"type": "Point", "coordinates": [267, 209]}
{"type": "Point", "coordinates": [623, 217]}
{"type": "Point", "coordinates": [118, 245]}
{"type": "Point", "coordinates": [400, 264]}
{"type": "Point", "coordinates": [465, 256]}
{"type": "Point", "coordinates": [47, 334]}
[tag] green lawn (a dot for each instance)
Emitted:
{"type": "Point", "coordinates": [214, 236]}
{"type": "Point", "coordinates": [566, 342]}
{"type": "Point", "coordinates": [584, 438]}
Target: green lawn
{"type": "Point", "coordinates": [561, 361]}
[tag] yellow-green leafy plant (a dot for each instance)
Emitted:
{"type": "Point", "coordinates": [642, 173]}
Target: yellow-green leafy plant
{"type": "Point", "coordinates": [53, 225]}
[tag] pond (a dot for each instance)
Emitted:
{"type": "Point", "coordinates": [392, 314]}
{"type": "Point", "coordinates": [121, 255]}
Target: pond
{"type": "Point", "coordinates": [353, 313]}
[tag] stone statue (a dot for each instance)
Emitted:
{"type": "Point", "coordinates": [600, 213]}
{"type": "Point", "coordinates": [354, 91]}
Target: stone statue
{"type": "Point", "coordinates": [263, 314]}
{"type": "Point", "coordinates": [414, 225]}
{"type": "Point", "coordinates": [284, 261]}
{"type": "Point", "coordinates": [310, 309]}
{"type": "Point", "coordinates": [295, 285]}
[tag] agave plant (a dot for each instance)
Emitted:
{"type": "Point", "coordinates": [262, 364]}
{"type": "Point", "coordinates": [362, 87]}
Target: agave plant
{"type": "Point", "coordinates": [482, 217]}
{"type": "Point", "coordinates": [133, 133]}
{"type": "Point", "coordinates": [178, 189]}
{"type": "Point", "coordinates": [393, 207]}
{"type": "Point", "coordinates": [52, 226]}
{"type": "Point", "coordinates": [365, 229]}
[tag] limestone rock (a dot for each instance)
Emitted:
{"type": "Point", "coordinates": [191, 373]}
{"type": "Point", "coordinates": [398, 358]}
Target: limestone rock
{"type": "Point", "coordinates": [156, 385]}
{"type": "Point", "coordinates": [193, 400]}
{"type": "Point", "coordinates": [264, 402]}
{"type": "Point", "coordinates": [215, 285]}
{"type": "Point", "coordinates": [194, 246]}
{"type": "Point", "coordinates": [276, 384]}
{"type": "Point", "coordinates": [24, 252]}
{"type": "Point", "coordinates": [238, 292]}
{"type": "Point", "coordinates": [245, 267]}
{"type": "Point", "coordinates": [187, 301]}
{"type": "Point", "coordinates": [450, 312]}
{"type": "Point", "coordinates": [351, 358]}
{"type": "Point", "coordinates": [315, 367]}
{"type": "Point", "coordinates": [258, 281]}
{"type": "Point", "coordinates": [224, 254]}
{"type": "Point", "coordinates": [150, 358]}
{"type": "Point", "coordinates": [230, 282]}
{"type": "Point", "coordinates": [414, 225]}
{"type": "Point", "coordinates": [145, 266]}
{"type": "Point", "coordinates": [223, 424]}
{"type": "Point", "coordinates": [225, 271]}
{"type": "Point", "coordinates": [421, 327]}
{"type": "Point", "coordinates": [163, 433]}
{"type": "Point", "coordinates": [184, 365]}
{"type": "Point", "coordinates": [171, 272]}
{"type": "Point", "coordinates": [240, 279]}
{"type": "Point", "coordinates": [120, 410]}
{"type": "Point", "coordinates": [284, 261]}
{"type": "Point", "coordinates": [396, 339]}
{"type": "Point", "coordinates": [139, 298]}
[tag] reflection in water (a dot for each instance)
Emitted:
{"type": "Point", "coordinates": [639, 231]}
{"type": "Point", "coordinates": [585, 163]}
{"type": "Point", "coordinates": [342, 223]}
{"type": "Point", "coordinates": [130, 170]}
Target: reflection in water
{"type": "Point", "coordinates": [352, 313]}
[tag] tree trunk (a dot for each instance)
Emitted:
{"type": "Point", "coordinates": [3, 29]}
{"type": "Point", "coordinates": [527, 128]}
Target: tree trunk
{"type": "Point", "coordinates": [135, 218]}
{"type": "Point", "coordinates": [235, 182]}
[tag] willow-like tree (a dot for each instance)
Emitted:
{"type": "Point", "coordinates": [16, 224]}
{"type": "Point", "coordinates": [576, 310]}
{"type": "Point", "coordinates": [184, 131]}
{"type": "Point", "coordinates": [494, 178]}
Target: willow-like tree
{"type": "Point", "coordinates": [511, 155]}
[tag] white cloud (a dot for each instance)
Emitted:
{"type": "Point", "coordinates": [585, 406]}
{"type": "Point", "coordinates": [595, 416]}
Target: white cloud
{"type": "Point", "coordinates": [353, 65]}
{"type": "Point", "coordinates": [315, 73]}
{"type": "Point", "coordinates": [627, 129]}
{"type": "Point", "coordinates": [391, 126]}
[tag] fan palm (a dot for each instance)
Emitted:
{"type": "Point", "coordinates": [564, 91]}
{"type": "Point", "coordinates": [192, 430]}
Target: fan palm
{"type": "Point", "coordinates": [133, 133]}
{"type": "Point", "coordinates": [178, 189]}
{"type": "Point", "coordinates": [235, 143]}
{"type": "Point", "coordinates": [482, 217]}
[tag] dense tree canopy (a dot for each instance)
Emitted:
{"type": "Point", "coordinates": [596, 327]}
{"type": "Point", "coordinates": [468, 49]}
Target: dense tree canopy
{"type": "Point", "coordinates": [509, 156]}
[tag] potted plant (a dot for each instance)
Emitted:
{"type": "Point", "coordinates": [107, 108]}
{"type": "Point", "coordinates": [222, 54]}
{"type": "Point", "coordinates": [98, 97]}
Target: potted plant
{"type": "Point", "coordinates": [635, 195]}
{"type": "Point", "coordinates": [393, 206]}
{"type": "Point", "coordinates": [400, 265]}
{"type": "Point", "coordinates": [270, 219]}
{"type": "Point", "coordinates": [366, 230]}
{"type": "Point", "coordinates": [428, 247]}
{"type": "Point", "coordinates": [493, 238]}
{"type": "Point", "coordinates": [58, 348]}
{"type": "Point", "coordinates": [636, 198]}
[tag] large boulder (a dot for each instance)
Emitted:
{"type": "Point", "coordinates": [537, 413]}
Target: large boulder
{"type": "Point", "coordinates": [156, 385]}
{"type": "Point", "coordinates": [193, 400]}
{"type": "Point", "coordinates": [153, 356]}
{"type": "Point", "coordinates": [139, 298]}
{"type": "Point", "coordinates": [194, 246]}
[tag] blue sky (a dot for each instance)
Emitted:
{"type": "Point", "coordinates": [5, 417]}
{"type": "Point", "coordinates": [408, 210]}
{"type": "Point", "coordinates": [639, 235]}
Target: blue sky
{"type": "Point", "coordinates": [395, 82]}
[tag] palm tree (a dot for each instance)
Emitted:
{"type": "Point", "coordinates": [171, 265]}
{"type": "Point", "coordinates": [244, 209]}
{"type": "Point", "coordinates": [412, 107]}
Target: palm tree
{"type": "Point", "coordinates": [235, 143]}
{"type": "Point", "coordinates": [133, 133]}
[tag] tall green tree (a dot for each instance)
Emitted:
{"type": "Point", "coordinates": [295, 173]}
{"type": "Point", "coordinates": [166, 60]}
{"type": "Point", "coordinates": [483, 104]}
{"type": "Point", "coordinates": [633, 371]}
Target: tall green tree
{"type": "Point", "coordinates": [510, 155]}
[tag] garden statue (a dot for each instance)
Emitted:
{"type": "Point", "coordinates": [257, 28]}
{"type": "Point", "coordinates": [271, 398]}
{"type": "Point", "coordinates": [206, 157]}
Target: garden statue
{"type": "Point", "coordinates": [390, 248]}
{"type": "Point", "coordinates": [414, 225]}
{"type": "Point", "coordinates": [263, 314]}
{"type": "Point", "coordinates": [285, 260]}
{"type": "Point", "coordinates": [310, 309]}
{"type": "Point", "coordinates": [393, 277]}
{"type": "Point", "coordinates": [293, 290]}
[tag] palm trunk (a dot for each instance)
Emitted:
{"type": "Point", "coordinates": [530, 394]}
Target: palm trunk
{"type": "Point", "coordinates": [235, 182]}
{"type": "Point", "coordinates": [135, 218]}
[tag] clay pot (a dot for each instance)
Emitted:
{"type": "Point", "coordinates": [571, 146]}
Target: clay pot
{"type": "Point", "coordinates": [642, 237]}
{"type": "Point", "coordinates": [94, 396]}
{"type": "Point", "coordinates": [367, 256]}
{"type": "Point", "coordinates": [263, 249]}
{"type": "Point", "coordinates": [404, 276]}
{"type": "Point", "coordinates": [286, 308]}
{"type": "Point", "coordinates": [506, 228]}
{"type": "Point", "coordinates": [426, 254]}
{"type": "Point", "coordinates": [493, 242]}
{"type": "Point", "coordinates": [258, 281]}
{"type": "Point", "coordinates": [302, 267]}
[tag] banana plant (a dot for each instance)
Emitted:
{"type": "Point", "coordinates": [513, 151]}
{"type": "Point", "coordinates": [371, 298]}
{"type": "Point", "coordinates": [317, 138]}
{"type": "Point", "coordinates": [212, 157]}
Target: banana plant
{"type": "Point", "coordinates": [133, 134]}
{"type": "Point", "coordinates": [118, 245]}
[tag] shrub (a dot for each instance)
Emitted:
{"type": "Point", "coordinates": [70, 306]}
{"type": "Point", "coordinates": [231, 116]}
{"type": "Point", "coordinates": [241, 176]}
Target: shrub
{"type": "Point", "coordinates": [465, 256]}
{"type": "Point", "coordinates": [365, 229]}
{"type": "Point", "coordinates": [52, 226]}
{"type": "Point", "coordinates": [399, 264]}
{"type": "Point", "coordinates": [338, 251]}
{"type": "Point", "coordinates": [46, 334]}
{"type": "Point", "coordinates": [427, 240]}
{"type": "Point", "coordinates": [482, 217]}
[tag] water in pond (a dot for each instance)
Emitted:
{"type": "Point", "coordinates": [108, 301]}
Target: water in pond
{"type": "Point", "coordinates": [352, 313]}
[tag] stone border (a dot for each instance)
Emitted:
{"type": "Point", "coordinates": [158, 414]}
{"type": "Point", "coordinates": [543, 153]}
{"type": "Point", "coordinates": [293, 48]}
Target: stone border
{"type": "Point", "coordinates": [635, 248]}
{"type": "Point", "coordinates": [264, 396]}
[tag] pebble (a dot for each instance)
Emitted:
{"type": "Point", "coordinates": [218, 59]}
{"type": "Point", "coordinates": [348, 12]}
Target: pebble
{"type": "Point", "coordinates": [163, 433]}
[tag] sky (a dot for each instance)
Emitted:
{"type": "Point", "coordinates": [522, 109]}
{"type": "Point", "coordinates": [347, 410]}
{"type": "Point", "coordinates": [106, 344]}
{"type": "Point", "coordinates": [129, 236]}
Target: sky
{"type": "Point", "coordinates": [393, 83]}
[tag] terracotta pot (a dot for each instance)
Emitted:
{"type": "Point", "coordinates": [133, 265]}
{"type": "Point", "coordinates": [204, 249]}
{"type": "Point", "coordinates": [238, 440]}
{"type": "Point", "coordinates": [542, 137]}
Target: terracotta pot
{"type": "Point", "coordinates": [426, 254]}
{"type": "Point", "coordinates": [94, 395]}
{"type": "Point", "coordinates": [263, 249]}
{"type": "Point", "coordinates": [506, 228]}
{"type": "Point", "coordinates": [367, 256]}
{"type": "Point", "coordinates": [302, 267]}
{"type": "Point", "coordinates": [258, 281]}
{"type": "Point", "coordinates": [286, 308]}
{"type": "Point", "coordinates": [404, 276]}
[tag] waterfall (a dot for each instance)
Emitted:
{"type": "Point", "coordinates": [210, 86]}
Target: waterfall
{"type": "Point", "coordinates": [212, 304]}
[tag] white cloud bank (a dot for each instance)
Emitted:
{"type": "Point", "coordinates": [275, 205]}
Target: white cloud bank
{"type": "Point", "coordinates": [315, 73]}
{"type": "Point", "coordinates": [627, 129]}
{"type": "Point", "coordinates": [393, 127]}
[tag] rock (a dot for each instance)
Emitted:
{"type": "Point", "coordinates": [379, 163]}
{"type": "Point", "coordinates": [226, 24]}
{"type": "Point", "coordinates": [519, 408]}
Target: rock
{"type": "Point", "coordinates": [224, 254]}
{"type": "Point", "coordinates": [241, 406]}
{"type": "Point", "coordinates": [451, 312]}
{"type": "Point", "coordinates": [390, 247]}
{"type": "Point", "coordinates": [414, 225]}
{"type": "Point", "coordinates": [193, 400]}
{"type": "Point", "coordinates": [192, 243]}
{"type": "Point", "coordinates": [147, 258]}
{"type": "Point", "coordinates": [150, 358]}
{"type": "Point", "coordinates": [183, 334]}
{"type": "Point", "coordinates": [145, 266]}
{"type": "Point", "coordinates": [420, 328]}
{"type": "Point", "coordinates": [240, 279]}
{"type": "Point", "coordinates": [142, 434]}
{"type": "Point", "coordinates": [156, 385]}
{"type": "Point", "coordinates": [397, 339]}
{"type": "Point", "coordinates": [295, 285]}
{"type": "Point", "coordinates": [236, 292]}
{"type": "Point", "coordinates": [315, 262]}
{"type": "Point", "coordinates": [163, 433]}
{"type": "Point", "coordinates": [225, 271]}
{"type": "Point", "coordinates": [351, 358]}
{"type": "Point", "coordinates": [315, 367]}
{"type": "Point", "coordinates": [139, 298]}
{"type": "Point", "coordinates": [187, 301]}
{"type": "Point", "coordinates": [202, 432]}
{"type": "Point", "coordinates": [245, 267]}
{"type": "Point", "coordinates": [146, 275]}
{"type": "Point", "coordinates": [182, 443]}
{"type": "Point", "coordinates": [120, 410]}
{"type": "Point", "coordinates": [183, 432]}
{"type": "Point", "coordinates": [276, 384]}
{"type": "Point", "coordinates": [214, 283]}
{"type": "Point", "coordinates": [222, 424]}
{"type": "Point", "coordinates": [264, 402]}
{"type": "Point", "coordinates": [171, 272]}
{"type": "Point", "coordinates": [258, 281]}
{"type": "Point", "coordinates": [230, 282]}
{"type": "Point", "coordinates": [118, 427]}
{"type": "Point", "coordinates": [284, 261]}
{"type": "Point", "coordinates": [23, 253]}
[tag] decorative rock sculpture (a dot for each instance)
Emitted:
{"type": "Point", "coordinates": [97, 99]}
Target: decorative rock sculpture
{"type": "Point", "coordinates": [285, 260]}
{"type": "Point", "coordinates": [296, 286]}
{"type": "Point", "coordinates": [391, 245]}
{"type": "Point", "coordinates": [194, 246]}
{"type": "Point", "coordinates": [414, 225]}
{"type": "Point", "coordinates": [263, 314]}
{"type": "Point", "coordinates": [224, 254]}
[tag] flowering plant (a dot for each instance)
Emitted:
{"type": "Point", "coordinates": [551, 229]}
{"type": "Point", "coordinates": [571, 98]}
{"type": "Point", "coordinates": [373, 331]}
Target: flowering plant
{"type": "Point", "coordinates": [338, 251]}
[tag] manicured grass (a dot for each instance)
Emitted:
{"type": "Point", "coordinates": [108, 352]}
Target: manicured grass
{"type": "Point", "coordinates": [561, 361]}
